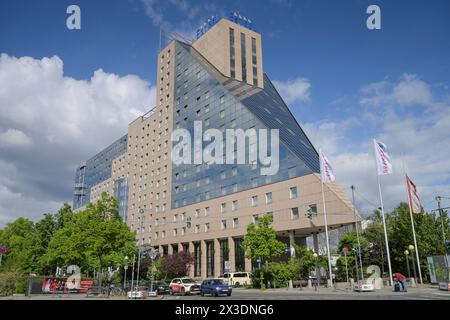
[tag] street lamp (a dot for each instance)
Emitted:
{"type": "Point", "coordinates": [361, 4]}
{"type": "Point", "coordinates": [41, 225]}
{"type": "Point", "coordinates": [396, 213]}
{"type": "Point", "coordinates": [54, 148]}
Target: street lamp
{"type": "Point", "coordinates": [125, 267]}
{"type": "Point", "coordinates": [411, 249]}
{"type": "Point", "coordinates": [407, 262]}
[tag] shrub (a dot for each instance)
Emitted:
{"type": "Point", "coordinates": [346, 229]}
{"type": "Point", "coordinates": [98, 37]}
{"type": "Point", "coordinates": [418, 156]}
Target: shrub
{"type": "Point", "coordinates": [12, 282]}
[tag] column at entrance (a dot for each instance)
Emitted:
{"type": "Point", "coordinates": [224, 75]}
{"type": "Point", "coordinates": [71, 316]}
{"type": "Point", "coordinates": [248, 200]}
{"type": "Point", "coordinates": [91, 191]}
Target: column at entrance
{"type": "Point", "coordinates": [231, 254]}
{"type": "Point", "coordinates": [203, 258]}
{"type": "Point", "coordinates": [217, 255]}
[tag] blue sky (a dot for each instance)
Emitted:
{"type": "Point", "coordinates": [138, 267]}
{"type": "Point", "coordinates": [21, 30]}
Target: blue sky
{"type": "Point", "coordinates": [344, 83]}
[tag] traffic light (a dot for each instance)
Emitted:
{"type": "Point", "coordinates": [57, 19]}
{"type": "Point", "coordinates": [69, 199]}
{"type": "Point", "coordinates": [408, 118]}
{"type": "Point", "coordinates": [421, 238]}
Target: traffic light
{"type": "Point", "coordinates": [309, 213]}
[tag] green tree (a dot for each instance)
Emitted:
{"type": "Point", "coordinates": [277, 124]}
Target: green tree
{"type": "Point", "coordinates": [428, 234]}
{"type": "Point", "coordinates": [93, 239]}
{"type": "Point", "coordinates": [17, 237]}
{"type": "Point", "coordinates": [350, 240]}
{"type": "Point", "coordinates": [261, 242]}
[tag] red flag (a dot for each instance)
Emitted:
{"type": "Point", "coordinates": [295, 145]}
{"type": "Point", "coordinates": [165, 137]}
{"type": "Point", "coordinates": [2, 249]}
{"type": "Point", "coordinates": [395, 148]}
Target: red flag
{"type": "Point", "coordinates": [413, 197]}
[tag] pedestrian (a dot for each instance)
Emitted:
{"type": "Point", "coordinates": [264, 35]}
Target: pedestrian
{"type": "Point", "coordinates": [401, 279]}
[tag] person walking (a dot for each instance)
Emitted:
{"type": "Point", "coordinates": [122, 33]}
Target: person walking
{"type": "Point", "coordinates": [401, 279]}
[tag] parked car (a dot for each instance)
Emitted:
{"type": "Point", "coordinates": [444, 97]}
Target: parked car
{"type": "Point", "coordinates": [160, 287]}
{"type": "Point", "coordinates": [237, 279]}
{"type": "Point", "coordinates": [215, 287]}
{"type": "Point", "coordinates": [184, 286]}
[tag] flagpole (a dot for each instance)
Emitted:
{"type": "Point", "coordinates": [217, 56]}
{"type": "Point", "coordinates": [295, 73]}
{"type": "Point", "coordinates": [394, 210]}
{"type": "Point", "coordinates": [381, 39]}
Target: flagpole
{"type": "Point", "coordinates": [412, 226]}
{"type": "Point", "coordinates": [357, 232]}
{"type": "Point", "coordinates": [384, 222]}
{"type": "Point", "coordinates": [326, 223]}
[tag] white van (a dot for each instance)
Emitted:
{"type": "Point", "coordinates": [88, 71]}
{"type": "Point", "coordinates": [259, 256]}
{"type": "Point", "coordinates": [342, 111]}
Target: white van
{"type": "Point", "coordinates": [237, 279]}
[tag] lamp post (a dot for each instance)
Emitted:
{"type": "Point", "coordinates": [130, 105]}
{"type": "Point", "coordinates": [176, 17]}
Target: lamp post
{"type": "Point", "coordinates": [315, 255]}
{"type": "Point", "coordinates": [407, 263]}
{"type": "Point", "coordinates": [411, 249]}
{"type": "Point", "coordinates": [125, 267]}
{"type": "Point", "coordinates": [345, 250]}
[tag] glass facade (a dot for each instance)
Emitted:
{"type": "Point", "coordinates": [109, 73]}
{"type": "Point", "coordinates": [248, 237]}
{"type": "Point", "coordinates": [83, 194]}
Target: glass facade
{"type": "Point", "coordinates": [210, 258]}
{"type": "Point", "coordinates": [96, 170]}
{"type": "Point", "coordinates": [217, 108]}
{"type": "Point", "coordinates": [239, 255]}
{"type": "Point", "coordinates": [121, 194]}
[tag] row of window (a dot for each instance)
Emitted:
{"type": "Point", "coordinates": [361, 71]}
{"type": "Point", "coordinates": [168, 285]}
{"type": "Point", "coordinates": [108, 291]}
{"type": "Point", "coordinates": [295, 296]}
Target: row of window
{"type": "Point", "coordinates": [223, 223]}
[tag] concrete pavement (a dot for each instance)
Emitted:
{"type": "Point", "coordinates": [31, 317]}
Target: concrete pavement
{"type": "Point", "coordinates": [424, 292]}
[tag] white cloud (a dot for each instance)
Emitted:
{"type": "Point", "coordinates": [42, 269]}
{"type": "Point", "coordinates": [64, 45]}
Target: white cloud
{"type": "Point", "coordinates": [420, 140]}
{"type": "Point", "coordinates": [296, 90]}
{"type": "Point", "coordinates": [51, 122]}
{"type": "Point", "coordinates": [412, 91]}
{"type": "Point", "coordinates": [13, 138]}
{"type": "Point", "coordinates": [186, 27]}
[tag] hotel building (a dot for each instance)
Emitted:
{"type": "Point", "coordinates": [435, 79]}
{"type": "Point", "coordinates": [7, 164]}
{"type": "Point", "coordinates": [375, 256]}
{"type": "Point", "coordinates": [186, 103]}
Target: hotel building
{"type": "Point", "coordinates": [217, 79]}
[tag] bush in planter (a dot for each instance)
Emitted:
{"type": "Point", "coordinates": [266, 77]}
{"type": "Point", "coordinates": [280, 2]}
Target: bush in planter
{"type": "Point", "coordinates": [12, 282]}
{"type": "Point", "coordinates": [21, 286]}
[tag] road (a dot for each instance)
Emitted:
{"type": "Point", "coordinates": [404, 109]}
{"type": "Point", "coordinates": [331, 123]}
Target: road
{"type": "Point", "coordinates": [420, 293]}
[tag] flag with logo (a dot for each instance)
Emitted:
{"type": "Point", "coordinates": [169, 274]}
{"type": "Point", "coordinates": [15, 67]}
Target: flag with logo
{"type": "Point", "coordinates": [413, 197]}
{"type": "Point", "coordinates": [326, 168]}
{"type": "Point", "coordinates": [384, 165]}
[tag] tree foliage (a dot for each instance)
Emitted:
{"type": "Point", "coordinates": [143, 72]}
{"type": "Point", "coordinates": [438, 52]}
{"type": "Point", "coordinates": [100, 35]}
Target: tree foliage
{"type": "Point", "coordinates": [261, 242]}
{"type": "Point", "coordinates": [428, 233]}
{"type": "Point", "coordinates": [174, 266]}
{"type": "Point", "coordinates": [92, 238]}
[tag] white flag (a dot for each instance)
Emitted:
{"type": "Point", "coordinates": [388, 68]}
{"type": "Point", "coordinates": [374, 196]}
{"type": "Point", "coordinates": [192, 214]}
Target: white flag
{"type": "Point", "coordinates": [326, 170]}
{"type": "Point", "coordinates": [413, 197]}
{"type": "Point", "coordinates": [384, 165]}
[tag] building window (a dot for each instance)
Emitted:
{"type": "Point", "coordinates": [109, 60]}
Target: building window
{"type": "Point", "coordinates": [234, 205]}
{"type": "Point", "coordinates": [254, 63]}
{"type": "Point", "coordinates": [294, 214]}
{"type": "Point", "coordinates": [269, 197]}
{"type": "Point", "coordinates": [197, 228]}
{"type": "Point", "coordinates": [232, 55]}
{"type": "Point", "coordinates": [197, 213]}
{"type": "Point", "coordinates": [235, 222]}
{"type": "Point", "coordinates": [175, 232]}
{"type": "Point", "coordinates": [270, 214]}
{"type": "Point", "coordinates": [223, 207]}
{"type": "Point", "coordinates": [224, 224]}
{"type": "Point", "coordinates": [293, 193]}
{"type": "Point", "coordinates": [254, 201]}
{"type": "Point", "coordinates": [255, 218]}
{"type": "Point", "coordinates": [207, 209]}
{"type": "Point", "coordinates": [243, 58]}
{"type": "Point", "coordinates": [207, 227]}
